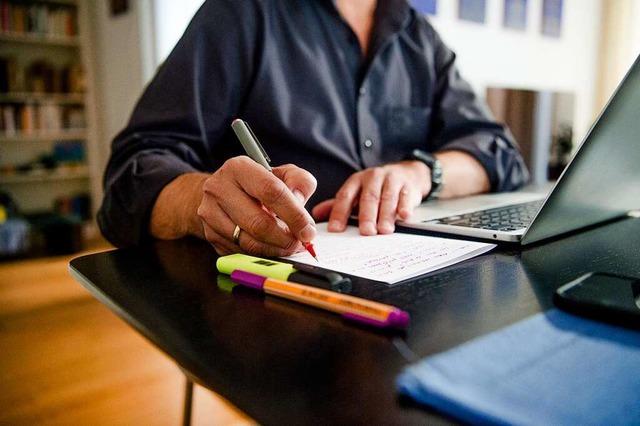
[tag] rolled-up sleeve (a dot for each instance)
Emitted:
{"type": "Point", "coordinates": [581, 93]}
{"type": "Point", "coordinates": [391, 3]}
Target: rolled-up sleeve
{"type": "Point", "coordinates": [132, 185]}
{"type": "Point", "coordinates": [184, 110]}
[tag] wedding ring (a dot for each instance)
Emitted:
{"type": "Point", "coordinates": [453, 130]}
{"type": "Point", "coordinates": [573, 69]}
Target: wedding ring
{"type": "Point", "coordinates": [236, 235]}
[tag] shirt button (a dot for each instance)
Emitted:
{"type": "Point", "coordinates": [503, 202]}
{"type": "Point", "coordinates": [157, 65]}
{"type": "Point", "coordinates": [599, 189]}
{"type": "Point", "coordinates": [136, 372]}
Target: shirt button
{"type": "Point", "coordinates": [368, 143]}
{"type": "Point", "coordinates": [362, 91]}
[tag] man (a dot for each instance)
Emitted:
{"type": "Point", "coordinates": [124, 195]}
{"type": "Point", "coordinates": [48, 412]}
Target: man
{"type": "Point", "coordinates": [340, 91]}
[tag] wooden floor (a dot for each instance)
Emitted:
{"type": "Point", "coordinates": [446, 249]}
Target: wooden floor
{"type": "Point", "coordinates": [65, 359]}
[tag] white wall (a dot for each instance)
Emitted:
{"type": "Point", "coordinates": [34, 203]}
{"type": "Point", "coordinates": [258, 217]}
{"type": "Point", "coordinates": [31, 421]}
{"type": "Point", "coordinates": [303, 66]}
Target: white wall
{"type": "Point", "coordinates": [171, 18]}
{"type": "Point", "coordinates": [118, 70]}
{"type": "Point", "coordinates": [620, 44]}
{"type": "Point", "coordinates": [491, 55]}
{"type": "Point", "coordinates": [119, 66]}
{"type": "Point", "coordinates": [634, 18]}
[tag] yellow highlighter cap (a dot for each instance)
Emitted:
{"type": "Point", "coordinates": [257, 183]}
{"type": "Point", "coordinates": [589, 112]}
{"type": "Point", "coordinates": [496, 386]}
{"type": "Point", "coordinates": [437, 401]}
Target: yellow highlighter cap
{"type": "Point", "coordinates": [255, 265]}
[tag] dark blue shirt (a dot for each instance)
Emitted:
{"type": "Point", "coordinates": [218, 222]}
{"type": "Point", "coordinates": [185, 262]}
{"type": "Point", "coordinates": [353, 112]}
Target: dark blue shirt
{"type": "Point", "coordinates": [294, 70]}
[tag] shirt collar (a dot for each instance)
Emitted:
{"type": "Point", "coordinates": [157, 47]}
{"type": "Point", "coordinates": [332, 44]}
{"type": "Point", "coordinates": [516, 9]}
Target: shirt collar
{"type": "Point", "coordinates": [391, 16]}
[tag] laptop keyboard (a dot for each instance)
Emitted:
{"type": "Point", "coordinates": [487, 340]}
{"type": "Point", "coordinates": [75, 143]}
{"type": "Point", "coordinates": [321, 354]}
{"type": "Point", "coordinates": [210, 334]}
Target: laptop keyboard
{"type": "Point", "coordinates": [507, 218]}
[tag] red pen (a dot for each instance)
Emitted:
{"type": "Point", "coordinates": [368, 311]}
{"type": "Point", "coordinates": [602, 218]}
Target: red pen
{"type": "Point", "coordinates": [310, 249]}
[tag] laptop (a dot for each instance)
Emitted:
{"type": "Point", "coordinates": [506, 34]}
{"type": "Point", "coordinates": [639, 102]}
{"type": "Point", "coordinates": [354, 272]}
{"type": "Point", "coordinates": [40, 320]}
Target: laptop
{"type": "Point", "coordinates": [601, 183]}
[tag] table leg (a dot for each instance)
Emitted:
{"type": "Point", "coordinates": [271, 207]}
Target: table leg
{"type": "Point", "coordinates": [188, 401]}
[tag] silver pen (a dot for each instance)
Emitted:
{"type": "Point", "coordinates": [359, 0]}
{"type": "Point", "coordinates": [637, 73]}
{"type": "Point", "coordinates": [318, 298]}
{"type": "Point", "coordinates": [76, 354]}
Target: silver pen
{"type": "Point", "coordinates": [250, 143]}
{"type": "Point", "coordinates": [256, 152]}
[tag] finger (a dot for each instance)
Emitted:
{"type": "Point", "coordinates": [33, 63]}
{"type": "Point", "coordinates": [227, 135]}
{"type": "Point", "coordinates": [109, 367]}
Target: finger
{"type": "Point", "coordinates": [370, 200]}
{"type": "Point", "coordinates": [388, 208]}
{"type": "Point", "coordinates": [225, 204]}
{"type": "Point", "coordinates": [264, 228]}
{"type": "Point", "coordinates": [223, 243]}
{"type": "Point", "coordinates": [302, 183]}
{"type": "Point", "coordinates": [274, 194]}
{"type": "Point", "coordinates": [223, 246]}
{"type": "Point", "coordinates": [226, 199]}
{"type": "Point", "coordinates": [407, 202]}
{"type": "Point", "coordinates": [322, 210]}
{"type": "Point", "coordinates": [343, 204]}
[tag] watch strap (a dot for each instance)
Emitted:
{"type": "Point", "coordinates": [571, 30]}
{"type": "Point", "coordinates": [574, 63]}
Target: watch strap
{"type": "Point", "coordinates": [435, 168]}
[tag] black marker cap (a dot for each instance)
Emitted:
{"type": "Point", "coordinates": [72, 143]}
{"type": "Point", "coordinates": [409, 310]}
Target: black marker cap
{"type": "Point", "coordinates": [327, 280]}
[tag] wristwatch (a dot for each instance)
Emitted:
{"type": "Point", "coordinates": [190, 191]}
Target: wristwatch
{"type": "Point", "coordinates": [436, 172]}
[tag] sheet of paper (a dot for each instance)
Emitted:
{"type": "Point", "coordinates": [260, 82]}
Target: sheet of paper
{"type": "Point", "coordinates": [388, 258]}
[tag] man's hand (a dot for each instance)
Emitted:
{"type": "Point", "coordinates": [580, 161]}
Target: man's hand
{"type": "Point", "coordinates": [381, 194]}
{"type": "Point", "coordinates": [385, 193]}
{"type": "Point", "coordinates": [268, 208]}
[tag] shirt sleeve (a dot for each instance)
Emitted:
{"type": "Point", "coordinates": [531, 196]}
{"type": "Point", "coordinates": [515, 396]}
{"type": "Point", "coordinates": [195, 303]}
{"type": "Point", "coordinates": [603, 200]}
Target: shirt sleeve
{"type": "Point", "coordinates": [463, 122]}
{"type": "Point", "coordinates": [167, 134]}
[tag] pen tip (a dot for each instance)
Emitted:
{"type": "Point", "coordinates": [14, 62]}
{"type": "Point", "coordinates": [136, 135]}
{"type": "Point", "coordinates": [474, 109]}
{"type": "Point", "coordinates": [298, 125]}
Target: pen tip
{"type": "Point", "coordinates": [312, 252]}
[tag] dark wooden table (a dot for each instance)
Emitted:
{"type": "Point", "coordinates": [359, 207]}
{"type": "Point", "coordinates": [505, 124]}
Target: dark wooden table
{"type": "Point", "coordinates": [285, 363]}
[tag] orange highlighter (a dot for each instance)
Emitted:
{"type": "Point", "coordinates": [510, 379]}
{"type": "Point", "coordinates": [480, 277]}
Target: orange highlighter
{"type": "Point", "coordinates": [351, 307]}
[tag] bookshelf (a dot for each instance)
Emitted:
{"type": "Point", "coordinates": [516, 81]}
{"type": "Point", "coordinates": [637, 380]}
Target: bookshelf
{"type": "Point", "coordinates": [47, 118]}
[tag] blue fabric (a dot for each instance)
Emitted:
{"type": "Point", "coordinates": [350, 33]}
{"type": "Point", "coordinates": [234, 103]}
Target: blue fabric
{"type": "Point", "coordinates": [551, 369]}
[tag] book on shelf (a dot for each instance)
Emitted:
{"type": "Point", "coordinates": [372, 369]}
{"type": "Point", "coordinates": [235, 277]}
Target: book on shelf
{"type": "Point", "coordinates": [69, 152]}
{"type": "Point", "coordinates": [28, 119]}
{"type": "Point", "coordinates": [8, 124]}
{"type": "Point", "coordinates": [50, 117]}
{"type": "Point", "coordinates": [40, 76]}
{"type": "Point", "coordinates": [38, 18]}
{"type": "Point", "coordinates": [42, 117]}
{"type": "Point", "coordinates": [8, 77]}
{"type": "Point", "coordinates": [78, 206]}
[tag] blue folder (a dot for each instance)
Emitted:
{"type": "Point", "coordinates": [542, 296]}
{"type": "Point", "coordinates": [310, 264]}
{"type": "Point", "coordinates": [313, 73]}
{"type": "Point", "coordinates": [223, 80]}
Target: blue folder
{"type": "Point", "coordinates": [551, 369]}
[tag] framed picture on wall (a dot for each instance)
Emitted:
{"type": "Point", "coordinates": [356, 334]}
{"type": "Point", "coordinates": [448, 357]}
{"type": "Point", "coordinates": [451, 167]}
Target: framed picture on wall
{"type": "Point", "coordinates": [472, 10]}
{"type": "Point", "coordinates": [552, 18]}
{"type": "Point", "coordinates": [428, 7]}
{"type": "Point", "coordinates": [119, 7]}
{"type": "Point", "coordinates": [515, 14]}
